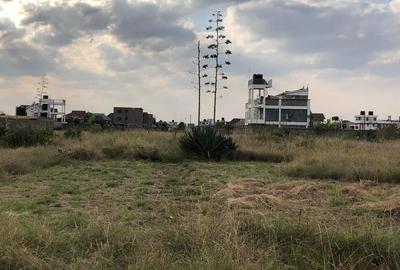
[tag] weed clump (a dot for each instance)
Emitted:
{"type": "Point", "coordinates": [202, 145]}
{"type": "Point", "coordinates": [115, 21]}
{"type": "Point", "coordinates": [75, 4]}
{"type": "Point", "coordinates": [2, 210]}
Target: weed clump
{"type": "Point", "coordinates": [73, 133]}
{"type": "Point", "coordinates": [147, 153]}
{"type": "Point", "coordinates": [245, 155]}
{"type": "Point", "coordinates": [207, 143]}
{"type": "Point", "coordinates": [24, 137]}
{"type": "Point", "coordinates": [82, 154]}
{"type": "Point", "coordinates": [114, 151]}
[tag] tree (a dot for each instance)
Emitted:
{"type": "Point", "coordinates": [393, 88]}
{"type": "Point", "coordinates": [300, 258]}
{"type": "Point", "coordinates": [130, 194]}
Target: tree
{"type": "Point", "coordinates": [218, 47]}
{"type": "Point", "coordinates": [328, 125]}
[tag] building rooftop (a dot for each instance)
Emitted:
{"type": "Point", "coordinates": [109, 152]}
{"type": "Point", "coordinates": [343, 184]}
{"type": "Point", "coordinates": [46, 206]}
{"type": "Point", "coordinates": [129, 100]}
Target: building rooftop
{"type": "Point", "coordinates": [300, 92]}
{"type": "Point", "coordinates": [318, 116]}
{"type": "Point", "coordinates": [77, 114]}
{"type": "Point", "coordinates": [259, 80]}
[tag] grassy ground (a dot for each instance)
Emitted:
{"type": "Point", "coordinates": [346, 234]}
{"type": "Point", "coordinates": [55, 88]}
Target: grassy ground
{"type": "Point", "coordinates": [97, 203]}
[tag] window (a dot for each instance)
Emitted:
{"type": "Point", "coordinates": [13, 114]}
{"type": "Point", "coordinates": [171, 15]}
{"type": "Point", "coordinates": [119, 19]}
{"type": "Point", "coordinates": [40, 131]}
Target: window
{"type": "Point", "coordinates": [119, 111]}
{"type": "Point", "coordinates": [119, 118]}
{"type": "Point", "coordinates": [272, 115]}
{"type": "Point", "coordinates": [294, 102]}
{"type": "Point", "coordinates": [294, 115]}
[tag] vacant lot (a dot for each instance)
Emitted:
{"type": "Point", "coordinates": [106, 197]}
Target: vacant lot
{"type": "Point", "coordinates": [132, 200]}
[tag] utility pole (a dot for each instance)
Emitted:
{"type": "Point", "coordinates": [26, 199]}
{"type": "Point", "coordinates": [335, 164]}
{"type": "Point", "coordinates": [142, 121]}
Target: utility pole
{"type": "Point", "coordinates": [199, 80]}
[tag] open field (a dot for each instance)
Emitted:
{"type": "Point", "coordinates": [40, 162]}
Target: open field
{"type": "Point", "coordinates": [132, 200]}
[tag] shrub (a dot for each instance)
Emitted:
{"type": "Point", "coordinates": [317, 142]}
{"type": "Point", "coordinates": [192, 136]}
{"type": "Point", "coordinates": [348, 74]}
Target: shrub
{"type": "Point", "coordinates": [2, 131]}
{"type": "Point", "coordinates": [24, 137]}
{"type": "Point", "coordinates": [73, 133]}
{"type": "Point", "coordinates": [207, 143]}
{"type": "Point", "coordinates": [82, 154]}
{"type": "Point", "coordinates": [147, 153]}
{"type": "Point", "coordinates": [245, 155]}
{"type": "Point", "coordinates": [389, 133]}
{"type": "Point", "coordinates": [369, 135]}
{"type": "Point", "coordinates": [114, 151]}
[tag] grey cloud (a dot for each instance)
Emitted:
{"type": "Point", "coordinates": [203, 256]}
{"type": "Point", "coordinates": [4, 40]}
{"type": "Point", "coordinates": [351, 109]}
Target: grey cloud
{"type": "Point", "coordinates": [343, 36]}
{"type": "Point", "coordinates": [67, 22]}
{"type": "Point", "coordinates": [19, 58]}
{"type": "Point", "coordinates": [138, 24]}
{"type": "Point", "coordinates": [208, 3]}
{"type": "Point", "coordinates": [9, 32]}
{"type": "Point", "coordinates": [148, 26]}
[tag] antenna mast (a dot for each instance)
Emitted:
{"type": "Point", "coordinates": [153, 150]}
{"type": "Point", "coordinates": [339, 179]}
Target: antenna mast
{"type": "Point", "coordinates": [42, 87]}
{"type": "Point", "coordinates": [199, 79]}
{"type": "Point", "coordinates": [41, 91]}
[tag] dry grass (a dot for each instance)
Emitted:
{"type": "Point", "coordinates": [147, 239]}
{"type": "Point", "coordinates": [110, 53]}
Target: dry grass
{"type": "Point", "coordinates": [339, 159]}
{"type": "Point", "coordinates": [306, 157]}
{"type": "Point", "coordinates": [329, 157]}
{"type": "Point", "coordinates": [90, 204]}
{"type": "Point", "coordinates": [195, 241]}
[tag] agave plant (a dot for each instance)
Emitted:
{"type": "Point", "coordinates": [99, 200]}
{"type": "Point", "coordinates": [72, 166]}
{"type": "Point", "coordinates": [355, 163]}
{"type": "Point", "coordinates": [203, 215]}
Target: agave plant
{"type": "Point", "coordinates": [207, 143]}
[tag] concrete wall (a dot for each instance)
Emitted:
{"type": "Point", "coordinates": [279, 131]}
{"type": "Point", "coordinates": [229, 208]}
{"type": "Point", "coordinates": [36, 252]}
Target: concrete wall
{"type": "Point", "coordinates": [26, 122]}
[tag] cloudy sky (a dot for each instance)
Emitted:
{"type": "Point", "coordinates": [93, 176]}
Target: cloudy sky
{"type": "Point", "coordinates": [138, 53]}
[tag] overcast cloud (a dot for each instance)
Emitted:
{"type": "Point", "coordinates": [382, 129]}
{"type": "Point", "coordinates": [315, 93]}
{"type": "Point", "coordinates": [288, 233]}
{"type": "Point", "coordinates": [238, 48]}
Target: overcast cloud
{"type": "Point", "coordinates": [100, 54]}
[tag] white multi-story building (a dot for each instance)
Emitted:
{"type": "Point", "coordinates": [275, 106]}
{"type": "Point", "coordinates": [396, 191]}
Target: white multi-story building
{"type": "Point", "coordinates": [370, 121]}
{"type": "Point", "coordinates": [289, 109]}
{"type": "Point", "coordinates": [48, 108]}
{"type": "Point", "coordinates": [365, 121]}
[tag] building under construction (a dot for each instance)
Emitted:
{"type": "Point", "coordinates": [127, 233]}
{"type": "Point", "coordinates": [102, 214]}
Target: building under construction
{"type": "Point", "coordinates": [45, 107]}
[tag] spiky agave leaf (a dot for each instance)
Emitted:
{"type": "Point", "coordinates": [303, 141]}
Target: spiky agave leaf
{"type": "Point", "coordinates": [207, 143]}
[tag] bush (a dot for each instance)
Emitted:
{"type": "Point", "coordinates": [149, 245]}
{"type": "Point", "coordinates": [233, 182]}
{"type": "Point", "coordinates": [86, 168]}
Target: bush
{"type": "Point", "coordinates": [82, 154]}
{"type": "Point", "coordinates": [207, 143]}
{"type": "Point", "coordinates": [114, 151]}
{"type": "Point", "coordinates": [73, 133]}
{"type": "Point", "coordinates": [389, 133]}
{"type": "Point", "coordinates": [369, 135]}
{"type": "Point", "coordinates": [147, 153]}
{"type": "Point", "coordinates": [2, 131]}
{"type": "Point", "coordinates": [243, 155]}
{"type": "Point", "coordinates": [24, 137]}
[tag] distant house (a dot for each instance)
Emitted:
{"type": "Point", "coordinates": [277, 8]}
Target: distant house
{"type": "Point", "coordinates": [369, 121]}
{"type": "Point", "coordinates": [100, 119]}
{"type": "Point", "coordinates": [126, 117]}
{"type": "Point", "coordinates": [347, 125]}
{"type": "Point", "coordinates": [317, 119]}
{"type": "Point", "coordinates": [389, 122]}
{"type": "Point", "coordinates": [237, 122]}
{"type": "Point", "coordinates": [148, 120]}
{"type": "Point", "coordinates": [173, 125]}
{"type": "Point", "coordinates": [77, 117]}
{"type": "Point", "coordinates": [21, 110]}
